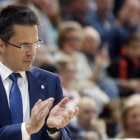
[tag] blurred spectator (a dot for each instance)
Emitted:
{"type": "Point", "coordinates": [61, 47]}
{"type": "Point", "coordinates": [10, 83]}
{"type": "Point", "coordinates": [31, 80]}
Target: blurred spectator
{"type": "Point", "coordinates": [130, 8]}
{"type": "Point", "coordinates": [103, 19]}
{"type": "Point", "coordinates": [88, 126]}
{"type": "Point", "coordinates": [90, 89]}
{"type": "Point", "coordinates": [52, 10]}
{"type": "Point", "coordinates": [130, 120]}
{"type": "Point", "coordinates": [45, 29]}
{"type": "Point", "coordinates": [70, 42]}
{"type": "Point", "coordinates": [117, 5]}
{"type": "Point", "coordinates": [127, 67]}
{"type": "Point", "coordinates": [128, 22]}
{"type": "Point", "coordinates": [67, 74]}
{"type": "Point", "coordinates": [77, 12]}
{"type": "Point", "coordinates": [98, 61]}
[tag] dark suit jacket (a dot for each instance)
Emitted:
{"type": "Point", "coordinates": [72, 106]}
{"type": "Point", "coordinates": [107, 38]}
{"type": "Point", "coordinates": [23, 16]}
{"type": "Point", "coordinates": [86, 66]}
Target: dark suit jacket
{"type": "Point", "coordinates": [36, 78]}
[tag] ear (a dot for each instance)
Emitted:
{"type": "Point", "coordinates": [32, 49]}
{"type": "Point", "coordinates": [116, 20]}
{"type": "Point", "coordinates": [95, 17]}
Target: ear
{"type": "Point", "coordinates": [1, 46]}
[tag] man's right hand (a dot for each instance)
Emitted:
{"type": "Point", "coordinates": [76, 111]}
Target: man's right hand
{"type": "Point", "coordinates": [38, 115]}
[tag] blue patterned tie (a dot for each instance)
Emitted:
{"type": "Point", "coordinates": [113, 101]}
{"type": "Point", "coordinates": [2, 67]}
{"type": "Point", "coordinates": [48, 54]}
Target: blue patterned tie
{"type": "Point", "coordinates": [15, 101]}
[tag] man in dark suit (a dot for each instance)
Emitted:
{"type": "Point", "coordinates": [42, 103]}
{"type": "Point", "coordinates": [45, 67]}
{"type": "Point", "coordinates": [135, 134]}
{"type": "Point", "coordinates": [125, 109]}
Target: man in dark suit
{"type": "Point", "coordinates": [31, 104]}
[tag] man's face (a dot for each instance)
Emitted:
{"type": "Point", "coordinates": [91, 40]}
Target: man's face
{"type": "Point", "coordinates": [86, 114]}
{"type": "Point", "coordinates": [90, 45]}
{"type": "Point", "coordinates": [133, 49]}
{"type": "Point", "coordinates": [13, 57]}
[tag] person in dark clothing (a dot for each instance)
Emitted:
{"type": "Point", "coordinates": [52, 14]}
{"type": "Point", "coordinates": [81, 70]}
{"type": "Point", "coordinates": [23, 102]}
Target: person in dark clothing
{"type": "Point", "coordinates": [103, 20]}
{"type": "Point", "coordinates": [77, 12]}
{"type": "Point", "coordinates": [127, 23]}
{"type": "Point", "coordinates": [126, 68]}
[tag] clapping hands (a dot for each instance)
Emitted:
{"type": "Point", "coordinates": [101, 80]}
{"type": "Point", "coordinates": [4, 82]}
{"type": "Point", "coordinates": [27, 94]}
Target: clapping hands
{"type": "Point", "coordinates": [60, 116]}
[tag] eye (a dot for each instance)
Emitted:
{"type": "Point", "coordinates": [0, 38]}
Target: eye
{"type": "Point", "coordinates": [25, 46]}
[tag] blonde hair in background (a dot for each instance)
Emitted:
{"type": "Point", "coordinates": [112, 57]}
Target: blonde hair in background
{"type": "Point", "coordinates": [129, 105]}
{"type": "Point", "coordinates": [65, 27]}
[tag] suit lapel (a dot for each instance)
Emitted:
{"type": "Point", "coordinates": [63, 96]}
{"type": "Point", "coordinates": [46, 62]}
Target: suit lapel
{"type": "Point", "coordinates": [5, 118]}
{"type": "Point", "coordinates": [37, 90]}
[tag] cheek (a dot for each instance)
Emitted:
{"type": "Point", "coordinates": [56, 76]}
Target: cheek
{"type": "Point", "coordinates": [130, 122]}
{"type": "Point", "coordinates": [17, 57]}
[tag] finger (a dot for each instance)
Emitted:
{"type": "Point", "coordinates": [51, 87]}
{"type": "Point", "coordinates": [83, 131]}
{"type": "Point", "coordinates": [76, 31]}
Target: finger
{"type": "Point", "coordinates": [71, 113]}
{"type": "Point", "coordinates": [63, 102]}
{"type": "Point", "coordinates": [63, 124]}
{"type": "Point", "coordinates": [38, 102]}
{"type": "Point", "coordinates": [46, 110]}
{"type": "Point", "coordinates": [76, 111]}
{"type": "Point", "coordinates": [66, 118]}
{"type": "Point", "coordinates": [44, 104]}
{"type": "Point", "coordinates": [51, 99]}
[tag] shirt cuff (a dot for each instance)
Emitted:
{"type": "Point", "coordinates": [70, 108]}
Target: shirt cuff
{"type": "Point", "coordinates": [25, 135]}
{"type": "Point", "coordinates": [56, 135]}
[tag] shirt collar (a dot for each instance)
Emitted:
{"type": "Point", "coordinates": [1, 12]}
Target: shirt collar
{"type": "Point", "coordinates": [5, 72]}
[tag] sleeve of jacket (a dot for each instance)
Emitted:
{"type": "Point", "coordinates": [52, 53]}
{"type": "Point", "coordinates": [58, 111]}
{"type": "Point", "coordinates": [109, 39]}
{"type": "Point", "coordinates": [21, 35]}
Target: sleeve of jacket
{"type": "Point", "coordinates": [11, 132]}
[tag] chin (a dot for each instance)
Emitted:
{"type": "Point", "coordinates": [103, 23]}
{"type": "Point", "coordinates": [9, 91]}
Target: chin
{"type": "Point", "coordinates": [27, 68]}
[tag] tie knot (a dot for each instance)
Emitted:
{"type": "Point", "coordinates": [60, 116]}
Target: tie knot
{"type": "Point", "coordinates": [14, 76]}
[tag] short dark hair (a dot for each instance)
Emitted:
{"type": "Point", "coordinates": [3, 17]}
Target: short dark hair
{"type": "Point", "coordinates": [15, 15]}
{"type": "Point", "coordinates": [130, 38]}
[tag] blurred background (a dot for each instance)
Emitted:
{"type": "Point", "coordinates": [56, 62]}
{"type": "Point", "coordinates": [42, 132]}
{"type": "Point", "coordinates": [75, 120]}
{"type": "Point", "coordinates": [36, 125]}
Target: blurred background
{"type": "Point", "coordinates": [94, 45]}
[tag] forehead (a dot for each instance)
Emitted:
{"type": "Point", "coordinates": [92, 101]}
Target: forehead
{"type": "Point", "coordinates": [135, 110]}
{"type": "Point", "coordinates": [25, 29]}
{"type": "Point", "coordinates": [25, 33]}
{"type": "Point", "coordinates": [88, 106]}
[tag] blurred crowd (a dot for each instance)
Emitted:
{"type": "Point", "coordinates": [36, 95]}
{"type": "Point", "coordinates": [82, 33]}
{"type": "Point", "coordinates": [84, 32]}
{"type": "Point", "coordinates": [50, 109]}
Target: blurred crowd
{"type": "Point", "coordinates": [94, 45]}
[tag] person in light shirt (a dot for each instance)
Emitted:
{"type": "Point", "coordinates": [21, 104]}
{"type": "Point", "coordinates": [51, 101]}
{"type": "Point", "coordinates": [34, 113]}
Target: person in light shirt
{"type": "Point", "coordinates": [31, 104]}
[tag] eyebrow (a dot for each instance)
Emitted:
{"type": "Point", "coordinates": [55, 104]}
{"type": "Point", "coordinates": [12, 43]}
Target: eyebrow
{"type": "Point", "coordinates": [28, 42]}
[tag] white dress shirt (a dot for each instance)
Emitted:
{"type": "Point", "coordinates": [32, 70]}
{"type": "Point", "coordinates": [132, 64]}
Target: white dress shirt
{"type": "Point", "coordinates": [23, 86]}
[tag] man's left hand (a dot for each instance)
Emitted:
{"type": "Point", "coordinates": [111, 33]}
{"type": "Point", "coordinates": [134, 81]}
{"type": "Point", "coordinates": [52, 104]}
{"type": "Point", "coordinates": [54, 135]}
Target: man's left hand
{"type": "Point", "coordinates": [60, 116]}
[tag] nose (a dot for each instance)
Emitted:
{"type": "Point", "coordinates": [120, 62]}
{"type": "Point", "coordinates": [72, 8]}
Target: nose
{"type": "Point", "coordinates": [32, 51]}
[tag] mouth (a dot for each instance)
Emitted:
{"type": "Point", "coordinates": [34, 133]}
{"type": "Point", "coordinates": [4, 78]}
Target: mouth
{"type": "Point", "coordinates": [29, 61]}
